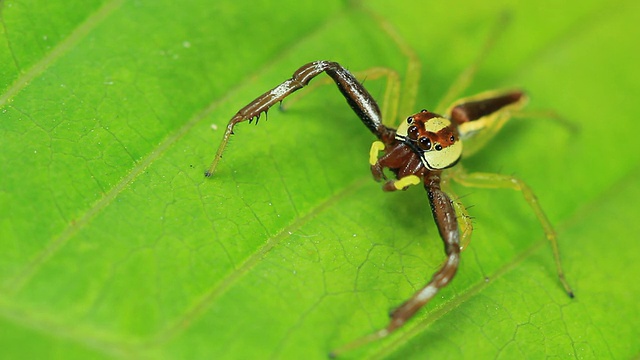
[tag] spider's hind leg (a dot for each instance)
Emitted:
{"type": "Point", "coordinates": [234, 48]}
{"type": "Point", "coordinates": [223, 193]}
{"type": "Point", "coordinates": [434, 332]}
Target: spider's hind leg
{"type": "Point", "coordinates": [500, 181]}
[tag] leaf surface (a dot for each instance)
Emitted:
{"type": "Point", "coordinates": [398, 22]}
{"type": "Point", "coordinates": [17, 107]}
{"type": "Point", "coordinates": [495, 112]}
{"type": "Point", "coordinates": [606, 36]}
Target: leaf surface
{"type": "Point", "coordinates": [115, 245]}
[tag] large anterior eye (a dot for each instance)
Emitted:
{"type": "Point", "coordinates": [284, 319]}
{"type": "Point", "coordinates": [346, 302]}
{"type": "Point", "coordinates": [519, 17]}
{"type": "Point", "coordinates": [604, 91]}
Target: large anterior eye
{"type": "Point", "coordinates": [424, 143]}
{"type": "Point", "coordinates": [412, 132]}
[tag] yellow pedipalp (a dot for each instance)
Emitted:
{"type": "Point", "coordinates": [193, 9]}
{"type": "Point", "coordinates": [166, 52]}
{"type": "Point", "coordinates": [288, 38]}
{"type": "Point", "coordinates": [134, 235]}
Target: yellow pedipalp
{"type": "Point", "coordinates": [376, 147]}
{"type": "Point", "coordinates": [406, 181]}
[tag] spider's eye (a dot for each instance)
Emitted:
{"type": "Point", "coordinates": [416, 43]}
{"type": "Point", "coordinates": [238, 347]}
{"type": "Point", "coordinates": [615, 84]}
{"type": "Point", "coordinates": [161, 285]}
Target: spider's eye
{"type": "Point", "coordinates": [423, 110]}
{"type": "Point", "coordinates": [410, 120]}
{"type": "Point", "coordinates": [424, 143]}
{"type": "Point", "coordinates": [438, 147]}
{"type": "Point", "coordinates": [452, 138]}
{"type": "Point", "coordinates": [412, 132]}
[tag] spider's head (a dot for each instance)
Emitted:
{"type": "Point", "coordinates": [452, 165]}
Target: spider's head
{"type": "Point", "coordinates": [433, 137]}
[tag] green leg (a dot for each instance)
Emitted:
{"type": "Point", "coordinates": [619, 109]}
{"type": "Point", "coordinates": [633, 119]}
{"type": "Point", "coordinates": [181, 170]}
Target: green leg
{"type": "Point", "coordinates": [409, 91]}
{"type": "Point", "coordinates": [551, 115]}
{"type": "Point", "coordinates": [499, 181]}
{"type": "Point", "coordinates": [463, 80]}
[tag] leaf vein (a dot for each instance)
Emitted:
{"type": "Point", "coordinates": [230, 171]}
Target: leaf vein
{"type": "Point", "coordinates": [78, 34]}
{"type": "Point", "coordinates": [192, 314]}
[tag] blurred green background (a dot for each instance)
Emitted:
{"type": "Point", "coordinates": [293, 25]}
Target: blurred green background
{"type": "Point", "coordinates": [114, 245]}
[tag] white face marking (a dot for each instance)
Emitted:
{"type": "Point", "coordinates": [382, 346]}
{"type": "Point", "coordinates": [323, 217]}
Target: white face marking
{"type": "Point", "coordinates": [436, 124]}
{"type": "Point", "coordinates": [401, 132]}
{"type": "Point", "coordinates": [444, 158]}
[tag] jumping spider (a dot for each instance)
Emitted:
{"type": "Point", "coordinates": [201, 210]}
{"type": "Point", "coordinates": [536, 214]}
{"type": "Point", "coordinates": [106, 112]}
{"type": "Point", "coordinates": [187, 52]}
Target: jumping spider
{"type": "Point", "coordinates": [424, 149]}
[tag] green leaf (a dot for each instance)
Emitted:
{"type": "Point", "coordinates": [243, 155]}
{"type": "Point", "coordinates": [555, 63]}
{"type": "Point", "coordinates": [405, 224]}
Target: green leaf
{"type": "Point", "coordinates": [115, 245]}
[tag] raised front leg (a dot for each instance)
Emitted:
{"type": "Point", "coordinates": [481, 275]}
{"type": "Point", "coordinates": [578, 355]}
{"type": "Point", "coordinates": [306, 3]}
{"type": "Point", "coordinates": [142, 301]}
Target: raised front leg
{"type": "Point", "coordinates": [388, 104]}
{"type": "Point", "coordinates": [356, 95]}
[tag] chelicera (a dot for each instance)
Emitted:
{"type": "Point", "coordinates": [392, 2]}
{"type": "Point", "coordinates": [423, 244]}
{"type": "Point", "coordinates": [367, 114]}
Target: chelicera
{"type": "Point", "coordinates": [424, 149]}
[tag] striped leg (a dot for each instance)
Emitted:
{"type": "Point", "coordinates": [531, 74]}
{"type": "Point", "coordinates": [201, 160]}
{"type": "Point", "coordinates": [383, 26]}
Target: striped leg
{"type": "Point", "coordinates": [361, 102]}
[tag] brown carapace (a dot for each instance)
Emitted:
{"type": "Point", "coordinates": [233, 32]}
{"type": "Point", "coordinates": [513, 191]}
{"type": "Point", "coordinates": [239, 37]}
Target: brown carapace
{"type": "Point", "coordinates": [424, 149]}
